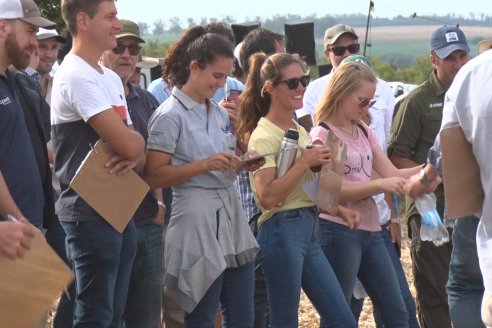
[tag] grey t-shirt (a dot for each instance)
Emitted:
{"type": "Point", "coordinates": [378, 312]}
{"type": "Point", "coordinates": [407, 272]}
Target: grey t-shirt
{"type": "Point", "coordinates": [189, 131]}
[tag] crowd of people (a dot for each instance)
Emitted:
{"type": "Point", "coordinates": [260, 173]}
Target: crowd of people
{"type": "Point", "coordinates": [222, 238]}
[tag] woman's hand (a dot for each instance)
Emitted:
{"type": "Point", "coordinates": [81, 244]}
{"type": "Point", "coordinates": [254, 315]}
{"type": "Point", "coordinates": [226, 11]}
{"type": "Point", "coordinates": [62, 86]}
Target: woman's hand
{"type": "Point", "coordinates": [414, 187]}
{"type": "Point", "coordinates": [317, 155]}
{"type": "Point", "coordinates": [395, 233]}
{"type": "Point", "coordinates": [352, 217]}
{"type": "Point", "coordinates": [222, 162]}
{"type": "Point", "coordinates": [251, 165]}
{"type": "Point", "coordinates": [394, 185]}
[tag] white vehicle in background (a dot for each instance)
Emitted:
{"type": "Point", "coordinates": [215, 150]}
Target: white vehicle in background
{"type": "Point", "coordinates": [401, 89]}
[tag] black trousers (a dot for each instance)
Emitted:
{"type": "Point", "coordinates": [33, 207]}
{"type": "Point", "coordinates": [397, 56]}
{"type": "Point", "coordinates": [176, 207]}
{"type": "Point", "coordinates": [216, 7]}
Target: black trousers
{"type": "Point", "coordinates": [430, 266]}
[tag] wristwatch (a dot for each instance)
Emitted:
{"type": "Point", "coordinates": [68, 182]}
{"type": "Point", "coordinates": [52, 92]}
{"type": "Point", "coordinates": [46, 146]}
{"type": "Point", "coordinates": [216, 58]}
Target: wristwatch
{"type": "Point", "coordinates": [424, 179]}
{"type": "Point", "coordinates": [161, 204]}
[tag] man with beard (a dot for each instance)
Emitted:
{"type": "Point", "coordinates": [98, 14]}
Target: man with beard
{"type": "Point", "coordinates": [19, 22]}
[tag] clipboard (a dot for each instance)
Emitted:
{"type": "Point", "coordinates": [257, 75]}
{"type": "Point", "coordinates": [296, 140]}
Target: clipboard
{"type": "Point", "coordinates": [463, 190]}
{"type": "Point", "coordinates": [30, 285]}
{"type": "Point", "coordinates": [114, 197]}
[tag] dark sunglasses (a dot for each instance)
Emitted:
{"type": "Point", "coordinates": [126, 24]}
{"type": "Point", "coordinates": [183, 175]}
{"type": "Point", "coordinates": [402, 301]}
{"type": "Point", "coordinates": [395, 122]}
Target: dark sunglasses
{"type": "Point", "coordinates": [364, 102]}
{"type": "Point", "coordinates": [132, 49]}
{"type": "Point", "coordinates": [294, 82]}
{"type": "Point", "coordinates": [339, 50]}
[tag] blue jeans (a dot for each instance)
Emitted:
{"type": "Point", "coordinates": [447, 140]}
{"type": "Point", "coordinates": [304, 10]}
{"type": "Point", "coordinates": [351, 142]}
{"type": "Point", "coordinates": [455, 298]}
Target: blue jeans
{"type": "Point", "coordinates": [291, 257]}
{"type": "Point", "coordinates": [234, 290]}
{"type": "Point", "coordinates": [361, 253]}
{"type": "Point", "coordinates": [55, 236]}
{"type": "Point", "coordinates": [465, 284]}
{"type": "Point", "coordinates": [356, 304]}
{"type": "Point", "coordinates": [144, 302]}
{"type": "Point", "coordinates": [102, 260]}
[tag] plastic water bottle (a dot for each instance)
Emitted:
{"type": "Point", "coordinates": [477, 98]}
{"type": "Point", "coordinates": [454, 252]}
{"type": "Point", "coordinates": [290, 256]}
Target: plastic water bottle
{"type": "Point", "coordinates": [288, 152]}
{"type": "Point", "coordinates": [431, 228]}
{"type": "Point", "coordinates": [231, 139]}
{"type": "Point", "coordinates": [359, 291]}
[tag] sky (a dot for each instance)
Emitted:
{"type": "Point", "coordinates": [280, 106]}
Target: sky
{"type": "Point", "coordinates": [246, 10]}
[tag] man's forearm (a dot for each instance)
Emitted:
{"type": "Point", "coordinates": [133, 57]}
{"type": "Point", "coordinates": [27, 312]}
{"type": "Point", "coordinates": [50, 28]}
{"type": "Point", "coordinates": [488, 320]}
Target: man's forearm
{"type": "Point", "coordinates": [401, 162]}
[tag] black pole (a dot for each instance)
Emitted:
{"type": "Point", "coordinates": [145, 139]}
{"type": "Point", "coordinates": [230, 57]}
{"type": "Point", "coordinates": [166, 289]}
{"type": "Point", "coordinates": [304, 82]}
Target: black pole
{"type": "Point", "coordinates": [371, 5]}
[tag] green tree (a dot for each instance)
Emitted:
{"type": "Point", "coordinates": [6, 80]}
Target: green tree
{"type": "Point", "coordinates": [51, 9]}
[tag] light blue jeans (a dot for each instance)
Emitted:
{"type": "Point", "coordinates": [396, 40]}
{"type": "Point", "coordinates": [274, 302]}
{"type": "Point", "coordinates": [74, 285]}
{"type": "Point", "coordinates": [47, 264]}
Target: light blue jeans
{"type": "Point", "coordinates": [291, 257]}
{"type": "Point", "coordinates": [357, 304]}
{"type": "Point", "coordinates": [361, 253]}
{"type": "Point", "coordinates": [465, 284]}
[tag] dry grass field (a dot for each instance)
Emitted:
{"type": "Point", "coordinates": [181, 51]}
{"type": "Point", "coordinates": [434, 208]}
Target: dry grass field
{"type": "Point", "coordinates": [419, 33]}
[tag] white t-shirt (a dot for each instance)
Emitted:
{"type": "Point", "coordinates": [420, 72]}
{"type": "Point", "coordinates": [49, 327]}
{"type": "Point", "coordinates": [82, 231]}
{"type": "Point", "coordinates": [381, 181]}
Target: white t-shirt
{"type": "Point", "coordinates": [80, 92]}
{"type": "Point", "coordinates": [468, 102]}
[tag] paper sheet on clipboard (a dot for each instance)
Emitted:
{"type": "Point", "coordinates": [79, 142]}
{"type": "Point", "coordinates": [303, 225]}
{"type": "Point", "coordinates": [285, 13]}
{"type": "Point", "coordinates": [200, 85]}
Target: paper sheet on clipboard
{"type": "Point", "coordinates": [331, 175]}
{"type": "Point", "coordinates": [30, 285]}
{"type": "Point", "coordinates": [114, 197]}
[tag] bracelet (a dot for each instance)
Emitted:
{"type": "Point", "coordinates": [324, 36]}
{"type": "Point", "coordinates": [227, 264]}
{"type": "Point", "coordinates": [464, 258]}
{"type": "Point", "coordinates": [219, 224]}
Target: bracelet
{"type": "Point", "coordinates": [161, 204]}
{"type": "Point", "coordinates": [395, 220]}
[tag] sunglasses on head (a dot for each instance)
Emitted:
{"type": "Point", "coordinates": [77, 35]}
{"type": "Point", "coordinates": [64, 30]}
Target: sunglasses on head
{"type": "Point", "coordinates": [294, 82]}
{"type": "Point", "coordinates": [364, 102]}
{"type": "Point", "coordinates": [133, 49]}
{"type": "Point", "coordinates": [339, 50]}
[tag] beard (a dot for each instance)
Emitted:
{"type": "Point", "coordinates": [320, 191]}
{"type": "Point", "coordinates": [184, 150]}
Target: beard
{"type": "Point", "coordinates": [18, 57]}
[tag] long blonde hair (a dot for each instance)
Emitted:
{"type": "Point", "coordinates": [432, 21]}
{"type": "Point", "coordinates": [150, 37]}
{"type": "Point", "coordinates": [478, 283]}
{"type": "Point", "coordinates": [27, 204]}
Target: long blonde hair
{"type": "Point", "coordinates": [346, 79]}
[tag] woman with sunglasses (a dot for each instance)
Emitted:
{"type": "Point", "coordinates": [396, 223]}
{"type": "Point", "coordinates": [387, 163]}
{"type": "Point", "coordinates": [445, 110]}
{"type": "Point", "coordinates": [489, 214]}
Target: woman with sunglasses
{"type": "Point", "coordinates": [290, 254]}
{"type": "Point", "coordinates": [209, 247]}
{"type": "Point", "coordinates": [360, 252]}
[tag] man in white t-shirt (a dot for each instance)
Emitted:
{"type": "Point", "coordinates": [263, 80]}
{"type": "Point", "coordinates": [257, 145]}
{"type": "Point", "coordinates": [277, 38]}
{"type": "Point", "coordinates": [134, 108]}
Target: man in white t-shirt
{"type": "Point", "coordinates": [88, 103]}
{"type": "Point", "coordinates": [341, 41]}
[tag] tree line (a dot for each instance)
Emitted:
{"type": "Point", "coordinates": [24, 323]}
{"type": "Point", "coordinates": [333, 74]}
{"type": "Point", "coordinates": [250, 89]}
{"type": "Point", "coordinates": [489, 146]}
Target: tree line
{"type": "Point", "coordinates": [415, 70]}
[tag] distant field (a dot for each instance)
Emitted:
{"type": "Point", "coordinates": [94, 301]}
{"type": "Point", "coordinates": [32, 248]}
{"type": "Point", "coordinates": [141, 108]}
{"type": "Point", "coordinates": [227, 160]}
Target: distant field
{"type": "Point", "coordinates": [396, 44]}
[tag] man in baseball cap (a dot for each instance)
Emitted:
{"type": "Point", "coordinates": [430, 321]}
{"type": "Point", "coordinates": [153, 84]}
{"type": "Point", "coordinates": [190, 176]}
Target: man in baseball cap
{"type": "Point", "coordinates": [340, 41]}
{"type": "Point", "coordinates": [47, 50]}
{"type": "Point", "coordinates": [447, 39]}
{"type": "Point", "coordinates": [19, 22]}
{"type": "Point", "coordinates": [25, 10]}
{"type": "Point", "coordinates": [415, 126]}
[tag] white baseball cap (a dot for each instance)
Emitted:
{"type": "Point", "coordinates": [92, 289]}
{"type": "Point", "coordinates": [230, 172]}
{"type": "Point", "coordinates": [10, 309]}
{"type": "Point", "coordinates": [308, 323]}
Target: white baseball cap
{"type": "Point", "coordinates": [44, 34]}
{"type": "Point", "coordinates": [25, 10]}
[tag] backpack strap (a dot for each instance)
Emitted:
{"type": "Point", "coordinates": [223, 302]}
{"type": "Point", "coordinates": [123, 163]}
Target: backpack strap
{"type": "Point", "coordinates": [361, 126]}
{"type": "Point", "coordinates": [324, 125]}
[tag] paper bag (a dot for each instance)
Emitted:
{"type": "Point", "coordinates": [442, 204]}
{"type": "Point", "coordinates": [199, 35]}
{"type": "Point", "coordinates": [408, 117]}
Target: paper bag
{"type": "Point", "coordinates": [331, 175]}
{"type": "Point", "coordinates": [30, 285]}
{"type": "Point", "coordinates": [463, 190]}
{"type": "Point", "coordinates": [114, 197]}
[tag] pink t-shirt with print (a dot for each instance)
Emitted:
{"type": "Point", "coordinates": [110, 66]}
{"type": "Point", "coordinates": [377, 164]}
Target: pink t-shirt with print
{"type": "Point", "coordinates": [358, 169]}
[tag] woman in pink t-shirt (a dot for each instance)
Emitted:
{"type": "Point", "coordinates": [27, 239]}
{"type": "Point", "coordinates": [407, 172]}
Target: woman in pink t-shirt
{"type": "Point", "coordinates": [360, 252]}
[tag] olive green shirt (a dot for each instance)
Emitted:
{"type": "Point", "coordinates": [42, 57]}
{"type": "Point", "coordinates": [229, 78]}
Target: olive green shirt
{"type": "Point", "coordinates": [416, 123]}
